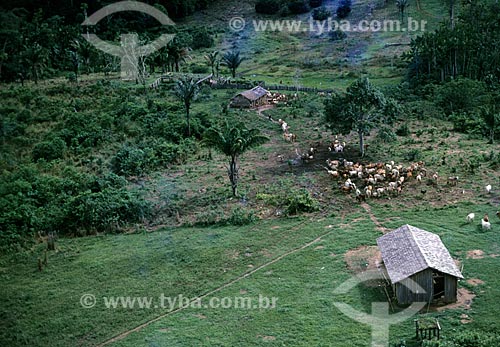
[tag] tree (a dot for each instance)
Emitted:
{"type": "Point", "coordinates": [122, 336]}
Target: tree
{"type": "Point", "coordinates": [402, 5]}
{"type": "Point", "coordinates": [233, 61]}
{"type": "Point", "coordinates": [85, 52]}
{"type": "Point", "coordinates": [362, 108]}
{"type": "Point", "coordinates": [344, 8]}
{"type": "Point", "coordinates": [491, 118]}
{"type": "Point", "coordinates": [36, 57]}
{"type": "Point", "coordinates": [187, 91]}
{"type": "Point", "coordinates": [75, 63]}
{"type": "Point", "coordinates": [178, 51]}
{"type": "Point", "coordinates": [212, 61]}
{"type": "Point", "coordinates": [233, 141]}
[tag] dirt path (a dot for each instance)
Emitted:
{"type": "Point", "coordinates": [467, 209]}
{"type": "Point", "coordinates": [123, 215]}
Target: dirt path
{"type": "Point", "coordinates": [124, 334]}
{"type": "Point", "coordinates": [374, 219]}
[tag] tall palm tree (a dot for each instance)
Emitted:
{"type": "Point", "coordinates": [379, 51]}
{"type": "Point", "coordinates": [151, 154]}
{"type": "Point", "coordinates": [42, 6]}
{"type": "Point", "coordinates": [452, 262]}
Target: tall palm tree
{"type": "Point", "coordinates": [212, 61]}
{"type": "Point", "coordinates": [85, 52]}
{"type": "Point", "coordinates": [233, 141]}
{"type": "Point", "coordinates": [176, 54]}
{"type": "Point", "coordinates": [36, 57]}
{"type": "Point", "coordinates": [402, 5]}
{"type": "Point", "coordinates": [187, 91]}
{"type": "Point", "coordinates": [491, 117]}
{"type": "Point", "coordinates": [233, 61]}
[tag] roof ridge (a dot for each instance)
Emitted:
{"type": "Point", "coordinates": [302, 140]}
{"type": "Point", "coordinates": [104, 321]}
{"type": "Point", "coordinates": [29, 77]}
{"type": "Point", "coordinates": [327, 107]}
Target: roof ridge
{"type": "Point", "coordinates": [412, 230]}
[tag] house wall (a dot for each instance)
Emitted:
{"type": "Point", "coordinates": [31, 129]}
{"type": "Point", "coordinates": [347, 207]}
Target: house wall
{"type": "Point", "coordinates": [240, 101]}
{"type": "Point", "coordinates": [406, 291]}
{"type": "Point", "coordinates": [450, 288]}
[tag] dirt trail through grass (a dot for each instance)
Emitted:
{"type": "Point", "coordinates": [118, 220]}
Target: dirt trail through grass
{"type": "Point", "coordinates": [124, 334]}
{"type": "Point", "coordinates": [374, 219]}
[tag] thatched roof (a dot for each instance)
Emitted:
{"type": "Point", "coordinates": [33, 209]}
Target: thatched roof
{"type": "Point", "coordinates": [409, 250]}
{"type": "Point", "coordinates": [254, 93]}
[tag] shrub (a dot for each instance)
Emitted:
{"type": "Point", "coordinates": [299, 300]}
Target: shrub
{"type": "Point", "coordinates": [337, 35]}
{"type": "Point", "coordinates": [241, 217]}
{"type": "Point", "coordinates": [301, 201]}
{"type": "Point", "coordinates": [34, 203]}
{"type": "Point", "coordinates": [467, 122]}
{"type": "Point", "coordinates": [403, 130]}
{"type": "Point", "coordinates": [200, 69]}
{"type": "Point", "coordinates": [298, 6]}
{"type": "Point", "coordinates": [201, 38]}
{"type": "Point", "coordinates": [267, 6]}
{"type": "Point", "coordinates": [81, 130]}
{"type": "Point", "coordinates": [315, 3]}
{"type": "Point", "coordinates": [49, 150]}
{"type": "Point", "coordinates": [344, 8]}
{"type": "Point", "coordinates": [130, 161]}
{"type": "Point", "coordinates": [460, 95]}
{"type": "Point", "coordinates": [105, 211]}
{"type": "Point", "coordinates": [413, 154]}
{"type": "Point", "coordinates": [386, 135]}
{"type": "Point", "coordinates": [473, 339]}
{"type": "Point", "coordinates": [321, 14]}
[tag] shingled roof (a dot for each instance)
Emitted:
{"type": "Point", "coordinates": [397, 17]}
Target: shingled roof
{"type": "Point", "coordinates": [409, 250]}
{"type": "Point", "coordinates": [254, 93]}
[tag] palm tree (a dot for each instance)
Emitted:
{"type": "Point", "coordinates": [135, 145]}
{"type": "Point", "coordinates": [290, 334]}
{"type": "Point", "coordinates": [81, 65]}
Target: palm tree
{"type": "Point", "coordinates": [232, 60]}
{"type": "Point", "coordinates": [176, 54]}
{"type": "Point", "coordinates": [186, 91]}
{"type": "Point", "coordinates": [233, 141]}
{"type": "Point", "coordinates": [491, 117]}
{"type": "Point", "coordinates": [75, 63]}
{"type": "Point", "coordinates": [212, 61]}
{"type": "Point", "coordinates": [85, 52]}
{"type": "Point", "coordinates": [36, 57]}
{"type": "Point", "coordinates": [402, 5]}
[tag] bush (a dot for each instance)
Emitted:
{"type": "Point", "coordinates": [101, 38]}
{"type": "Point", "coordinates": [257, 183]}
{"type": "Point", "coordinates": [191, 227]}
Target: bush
{"type": "Point", "coordinates": [267, 6]}
{"type": "Point", "coordinates": [403, 130]}
{"type": "Point", "coordinates": [344, 8]}
{"type": "Point", "coordinates": [413, 154]}
{"type": "Point", "coordinates": [201, 38]}
{"type": "Point", "coordinates": [32, 203]}
{"type": "Point", "coordinates": [105, 211]}
{"type": "Point", "coordinates": [301, 201]}
{"type": "Point", "coordinates": [298, 6]}
{"type": "Point", "coordinates": [240, 217]}
{"type": "Point", "coordinates": [467, 122]}
{"type": "Point", "coordinates": [49, 150]}
{"type": "Point", "coordinates": [473, 339]}
{"type": "Point", "coordinates": [337, 35]}
{"type": "Point", "coordinates": [386, 135]}
{"type": "Point", "coordinates": [199, 69]}
{"type": "Point", "coordinates": [321, 14]}
{"type": "Point", "coordinates": [130, 161]}
{"type": "Point", "coordinates": [460, 95]}
{"type": "Point", "coordinates": [315, 3]}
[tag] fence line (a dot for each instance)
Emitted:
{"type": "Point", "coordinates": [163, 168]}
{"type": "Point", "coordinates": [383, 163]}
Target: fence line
{"type": "Point", "coordinates": [236, 85]}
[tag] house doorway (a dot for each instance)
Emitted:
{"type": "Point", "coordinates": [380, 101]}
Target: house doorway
{"type": "Point", "coordinates": [437, 284]}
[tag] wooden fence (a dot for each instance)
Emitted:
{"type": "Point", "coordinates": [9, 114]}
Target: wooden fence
{"type": "Point", "coordinates": [235, 85]}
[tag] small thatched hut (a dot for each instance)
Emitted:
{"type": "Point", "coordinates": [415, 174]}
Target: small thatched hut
{"type": "Point", "coordinates": [414, 256]}
{"type": "Point", "coordinates": [254, 97]}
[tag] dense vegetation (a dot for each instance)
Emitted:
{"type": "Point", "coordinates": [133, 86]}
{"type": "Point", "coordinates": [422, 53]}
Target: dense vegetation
{"type": "Point", "coordinates": [469, 48]}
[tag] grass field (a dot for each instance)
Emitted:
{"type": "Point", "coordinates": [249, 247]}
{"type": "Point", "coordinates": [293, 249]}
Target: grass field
{"type": "Point", "coordinates": [195, 261]}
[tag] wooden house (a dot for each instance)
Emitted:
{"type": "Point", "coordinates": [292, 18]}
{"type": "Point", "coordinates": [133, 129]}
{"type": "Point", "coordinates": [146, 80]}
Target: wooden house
{"type": "Point", "coordinates": [254, 97]}
{"type": "Point", "coordinates": [412, 257]}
